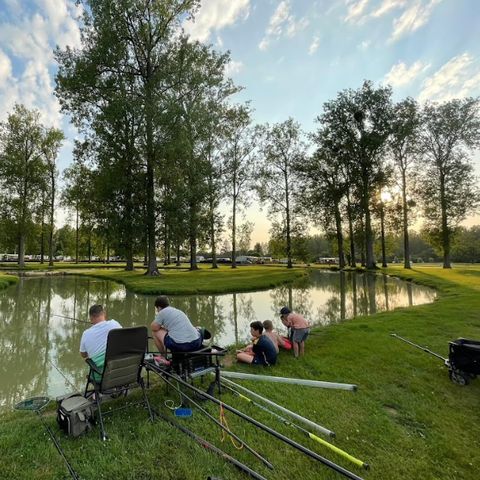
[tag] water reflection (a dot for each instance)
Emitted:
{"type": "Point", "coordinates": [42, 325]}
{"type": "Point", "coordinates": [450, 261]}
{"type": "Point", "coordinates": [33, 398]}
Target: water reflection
{"type": "Point", "coordinates": [40, 349]}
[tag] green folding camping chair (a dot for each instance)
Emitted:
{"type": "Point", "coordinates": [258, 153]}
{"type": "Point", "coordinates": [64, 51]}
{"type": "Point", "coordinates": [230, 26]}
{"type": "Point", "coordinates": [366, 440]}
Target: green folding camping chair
{"type": "Point", "coordinates": [122, 369]}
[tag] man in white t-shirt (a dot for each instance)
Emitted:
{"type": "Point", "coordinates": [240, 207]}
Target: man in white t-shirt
{"type": "Point", "coordinates": [94, 340]}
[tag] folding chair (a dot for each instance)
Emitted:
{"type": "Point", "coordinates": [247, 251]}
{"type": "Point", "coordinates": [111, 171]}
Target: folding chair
{"type": "Point", "coordinates": [124, 360]}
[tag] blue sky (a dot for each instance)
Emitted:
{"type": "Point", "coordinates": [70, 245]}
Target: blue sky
{"type": "Point", "coordinates": [290, 55]}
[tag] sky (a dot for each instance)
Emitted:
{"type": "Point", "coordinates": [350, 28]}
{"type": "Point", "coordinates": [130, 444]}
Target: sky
{"type": "Point", "coordinates": [290, 55]}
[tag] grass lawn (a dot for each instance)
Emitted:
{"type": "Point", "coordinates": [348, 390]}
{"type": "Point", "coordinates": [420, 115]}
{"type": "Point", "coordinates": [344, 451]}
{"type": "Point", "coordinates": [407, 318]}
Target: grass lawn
{"type": "Point", "coordinates": [205, 280]}
{"type": "Point", "coordinates": [6, 280]}
{"type": "Point", "coordinates": [407, 420]}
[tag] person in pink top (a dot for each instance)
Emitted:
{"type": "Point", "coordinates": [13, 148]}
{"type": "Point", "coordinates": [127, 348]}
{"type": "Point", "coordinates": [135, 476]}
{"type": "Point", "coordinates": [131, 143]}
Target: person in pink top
{"type": "Point", "coordinates": [300, 329]}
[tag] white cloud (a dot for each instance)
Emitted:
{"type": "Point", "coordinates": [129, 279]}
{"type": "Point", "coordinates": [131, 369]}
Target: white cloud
{"type": "Point", "coordinates": [29, 39]}
{"type": "Point", "coordinates": [413, 18]}
{"type": "Point", "coordinates": [387, 6]}
{"type": "Point", "coordinates": [355, 11]}
{"type": "Point", "coordinates": [233, 67]}
{"type": "Point", "coordinates": [400, 75]}
{"type": "Point", "coordinates": [314, 45]}
{"type": "Point", "coordinates": [459, 77]}
{"type": "Point", "coordinates": [5, 68]}
{"type": "Point", "coordinates": [214, 15]}
{"type": "Point", "coordinates": [282, 22]}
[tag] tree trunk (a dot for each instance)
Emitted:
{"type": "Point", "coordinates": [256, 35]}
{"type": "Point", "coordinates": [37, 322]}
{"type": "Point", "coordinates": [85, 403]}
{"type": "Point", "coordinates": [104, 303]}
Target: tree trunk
{"type": "Point", "coordinates": [178, 255]}
{"type": "Point", "coordinates": [42, 242]}
{"type": "Point", "coordinates": [212, 240]}
{"type": "Point", "coordinates": [193, 228]}
{"type": "Point", "coordinates": [52, 218]}
{"type": "Point", "coordinates": [90, 245]}
{"type": "Point", "coordinates": [287, 213]}
{"type": "Point", "coordinates": [338, 226]}
{"type": "Point", "coordinates": [234, 229]}
{"type": "Point", "coordinates": [382, 233]}
{"type": "Point", "coordinates": [445, 230]}
{"type": "Point", "coordinates": [370, 258]}
{"type": "Point", "coordinates": [351, 233]}
{"type": "Point", "coordinates": [152, 268]}
{"type": "Point", "coordinates": [76, 238]}
{"type": "Point", "coordinates": [406, 239]}
{"type": "Point", "coordinates": [21, 250]}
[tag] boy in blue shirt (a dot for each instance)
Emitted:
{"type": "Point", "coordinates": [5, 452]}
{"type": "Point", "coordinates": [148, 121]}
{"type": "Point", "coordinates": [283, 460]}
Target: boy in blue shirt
{"type": "Point", "coordinates": [262, 351]}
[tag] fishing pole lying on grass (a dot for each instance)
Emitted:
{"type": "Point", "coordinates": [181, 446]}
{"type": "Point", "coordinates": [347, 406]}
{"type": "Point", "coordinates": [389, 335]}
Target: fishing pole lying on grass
{"type": "Point", "coordinates": [36, 404]}
{"type": "Point", "coordinates": [223, 427]}
{"type": "Point", "coordinates": [294, 381]}
{"type": "Point", "coordinates": [310, 435]}
{"type": "Point", "coordinates": [263, 427]}
{"type": "Point", "coordinates": [319, 428]}
{"type": "Point", "coordinates": [421, 348]}
{"type": "Point", "coordinates": [204, 443]}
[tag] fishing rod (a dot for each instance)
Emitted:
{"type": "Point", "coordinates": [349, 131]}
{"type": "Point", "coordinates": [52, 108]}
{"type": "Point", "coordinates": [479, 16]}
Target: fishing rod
{"type": "Point", "coordinates": [36, 404]}
{"type": "Point", "coordinates": [259, 425]}
{"type": "Point", "coordinates": [206, 444]}
{"type": "Point", "coordinates": [319, 428]}
{"type": "Point", "coordinates": [62, 374]}
{"type": "Point", "coordinates": [70, 318]}
{"type": "Point", "coordinates": [310, 435]}
{"type": "Point", "coordinates": [223, 427]}
{"type": "Point", "coordinates": [420, 347]}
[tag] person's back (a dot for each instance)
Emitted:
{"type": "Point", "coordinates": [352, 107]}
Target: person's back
{"type": "Point", "coordinates": [93, 343]}
{"type": "Point", "coordinates": [272, 335]}
{"type": "Point", "coordinates": [265, 350]}
{"type": "Point", "coordinates": [173, 330]}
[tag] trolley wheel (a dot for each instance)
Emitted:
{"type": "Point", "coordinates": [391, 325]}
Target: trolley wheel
{"type": "Point", "coordinates": [459, 377]}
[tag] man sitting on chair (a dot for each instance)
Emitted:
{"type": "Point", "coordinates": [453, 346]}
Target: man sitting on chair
{"type": "Point", "coordinates": [172, 329]}
{"type": "Point", "coordinates": [94, 339]}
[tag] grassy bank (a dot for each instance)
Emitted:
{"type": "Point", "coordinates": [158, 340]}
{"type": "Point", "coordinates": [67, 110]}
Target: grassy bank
{"type": "Point", "coordinates": [205, 280]}
{"type": "Point", "coordinates": [6, 280]}
{"type": "Point", "coordinates": [407, 420]}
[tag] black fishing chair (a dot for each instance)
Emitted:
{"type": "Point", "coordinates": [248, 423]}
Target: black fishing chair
{"type": "Point", "coordinates": [197, 364]}
{"type": "Point", "coordinates": [124, 360]}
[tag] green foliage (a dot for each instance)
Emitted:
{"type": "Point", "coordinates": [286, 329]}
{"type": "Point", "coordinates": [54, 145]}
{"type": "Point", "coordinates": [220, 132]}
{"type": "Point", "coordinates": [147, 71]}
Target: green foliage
{"type": "Point", "coordinates": [449, 189]}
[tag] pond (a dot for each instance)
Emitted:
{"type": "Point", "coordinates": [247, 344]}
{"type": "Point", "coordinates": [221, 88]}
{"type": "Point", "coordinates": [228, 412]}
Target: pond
{"type": "Point", "coordinates": [39, 338]}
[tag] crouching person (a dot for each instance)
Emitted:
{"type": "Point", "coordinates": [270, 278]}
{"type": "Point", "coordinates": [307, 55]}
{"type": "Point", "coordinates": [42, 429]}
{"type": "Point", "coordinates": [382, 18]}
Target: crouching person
{"type": "Point", "coordinates": [173, 330]}
{"type": "Point", "coordinates": [262, 351]}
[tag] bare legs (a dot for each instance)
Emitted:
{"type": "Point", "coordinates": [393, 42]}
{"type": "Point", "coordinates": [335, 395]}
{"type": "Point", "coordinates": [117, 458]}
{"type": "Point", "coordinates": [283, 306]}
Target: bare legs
{"type": "Point", "coordinates": [158, 338]}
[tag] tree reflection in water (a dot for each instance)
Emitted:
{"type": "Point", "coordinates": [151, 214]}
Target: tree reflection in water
{"type": "Point", "coordinates": [32, 338]}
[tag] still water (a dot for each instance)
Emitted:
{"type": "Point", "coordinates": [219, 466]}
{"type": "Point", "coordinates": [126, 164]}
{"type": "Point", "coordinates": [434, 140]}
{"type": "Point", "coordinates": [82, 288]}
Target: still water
{"type": "Point", "coordinates": [39, 345]}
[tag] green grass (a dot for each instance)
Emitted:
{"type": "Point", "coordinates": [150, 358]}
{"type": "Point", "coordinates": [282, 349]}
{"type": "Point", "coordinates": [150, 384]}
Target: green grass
{"type": "Point", "coordinates": [205, 280]}
{"type": "Point", "coordinates": [7, 280]}
{"type": "Point", "coordinates": [407, 420]}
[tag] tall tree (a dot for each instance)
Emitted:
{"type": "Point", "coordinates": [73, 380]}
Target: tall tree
{"type": "Point", "coordinates": [136, 41]}
{"type": "Point", "coordinates": [282, 150]}
{"type": "Point", "coordinates": [22, 169]}
{"type": "Point", "coordinates": [325, 190]}
{"type": "Point", "coordinates": [359, 122]}
{"type": "Point", "coordinates": [52, 141]}
{"type": "Point", "coordinates": [450, 131]}
{"type": "Point", "coordinates": [404, 148]}
{"type": "Point", "coordinates": [240, 147]}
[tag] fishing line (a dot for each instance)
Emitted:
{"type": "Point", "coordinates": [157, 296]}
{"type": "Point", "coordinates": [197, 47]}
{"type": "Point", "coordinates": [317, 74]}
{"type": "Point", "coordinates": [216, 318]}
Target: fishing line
{"type": "Point", "coordinates": [62, 374]}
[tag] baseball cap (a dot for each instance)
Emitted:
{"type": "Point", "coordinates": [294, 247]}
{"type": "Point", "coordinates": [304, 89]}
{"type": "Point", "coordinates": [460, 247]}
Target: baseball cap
{"type": "Point", "coordinates": [285, 311]}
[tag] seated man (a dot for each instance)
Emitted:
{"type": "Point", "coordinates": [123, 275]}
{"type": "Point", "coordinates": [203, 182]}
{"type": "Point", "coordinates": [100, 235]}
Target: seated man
{"type": "Point", "coordinates": [262, 351]}
{"type": "Point", "coordinates": [94, 339]}
{"type": "Point", "coordinates": [172, 329]}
